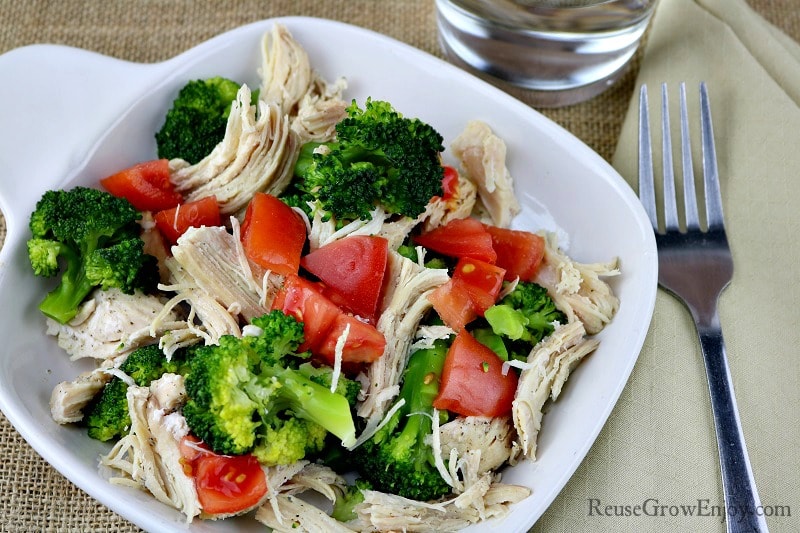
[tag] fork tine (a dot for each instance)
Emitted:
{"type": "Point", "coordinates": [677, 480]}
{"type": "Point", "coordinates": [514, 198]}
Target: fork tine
{"type": "Point", "coordinates": [670, 206]}
{"type": "Point", "coordinates": [714, 215]}
{"type": "Point", "coordinates": [689, 193]}
{"type": "Point", "coordinates": [647, 193]}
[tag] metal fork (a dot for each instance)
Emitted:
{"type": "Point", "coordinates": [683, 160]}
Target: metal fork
{"type": "Point", "coordinates": [695, 265]}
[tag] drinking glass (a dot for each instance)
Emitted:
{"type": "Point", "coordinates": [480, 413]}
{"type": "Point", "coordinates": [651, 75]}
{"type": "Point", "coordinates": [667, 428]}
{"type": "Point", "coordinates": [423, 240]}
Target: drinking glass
{"type": "Point", "coordinates": [564, 51]}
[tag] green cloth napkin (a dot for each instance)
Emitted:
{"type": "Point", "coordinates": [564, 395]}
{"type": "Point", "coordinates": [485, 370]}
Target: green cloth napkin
{"type": "Point", "coordinates": [658, 450]}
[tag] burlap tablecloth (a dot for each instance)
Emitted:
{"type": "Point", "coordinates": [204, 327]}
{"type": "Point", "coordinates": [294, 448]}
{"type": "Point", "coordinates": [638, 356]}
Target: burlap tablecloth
{"type": "Point", "coordinates": [36, 498]}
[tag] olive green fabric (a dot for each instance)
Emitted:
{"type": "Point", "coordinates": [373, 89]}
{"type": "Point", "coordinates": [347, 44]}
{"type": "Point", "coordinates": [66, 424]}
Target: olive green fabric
{"type": "Point", "coordinates": [657, 450]}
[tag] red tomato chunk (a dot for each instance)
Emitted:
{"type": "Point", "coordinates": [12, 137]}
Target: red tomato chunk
{"type": "Point", "coordinates": [145, 185]}
{"type": "Point", "coordinates": [172, 223]}
{"type": "Point", "coordinates": [225, 484]}
{"type": "Point", "coordinates": [353, 271]}
{"type": "Point", "coordinates": [463, 237]}
{"type": "Point", "coordinates": [473, 383]}
{"type": "Point", "coordinates": [273, 235]}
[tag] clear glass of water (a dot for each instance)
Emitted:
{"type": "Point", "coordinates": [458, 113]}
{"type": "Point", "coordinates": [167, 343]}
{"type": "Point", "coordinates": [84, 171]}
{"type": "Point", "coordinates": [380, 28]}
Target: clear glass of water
{"type": "Point", "coordinates": [564, 51]}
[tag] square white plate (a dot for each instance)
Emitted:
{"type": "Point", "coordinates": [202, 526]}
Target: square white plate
{"type": "Point", "coordinates": [71, 117]}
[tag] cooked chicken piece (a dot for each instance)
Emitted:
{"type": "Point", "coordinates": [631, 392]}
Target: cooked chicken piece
{"type": "Point", "coordinates": [484, 499]}
{"type": "Point", "coordinates": [296, 515]}
{"type": "Point", "coordinates": [576, 288]}
{"type": "Point", "coordinates": [439, 212]}
{"type": "Point", "coordinates": [149, 456]}
{"type": "Point", "coordinates": [491, 437]}
{"type": "Point", "coordinates": [382, 224]}
{"type": "Point", "coordinates": [483, 159]}
{"type": "Point", "coordinates": [315, 477]}
{"type": "Point", "coordinates": [313, 105]}
{"type": "Point", "coordinates": [69, 398]}
{"type": "Point", "coordinates": [155, 244]}
{"type": "Point", "coordinates": [547, 368]}
{"type": "Point", "coordinates": [213, 259]}
{"type": "Point", "coordinates": [316, 120]}
{"type": "Point", "coordinates": [257, 154]}
{"type": "Point", "coordinates": [215, 319]}
{"type": "Point", "coordinates": [405, 303]}
{"type": "Point", "coordinates": [286, 72]}
{"type": "Point", "coordinates": [286, 512]}
{"type": "Point", "coordinates": [111, 323]}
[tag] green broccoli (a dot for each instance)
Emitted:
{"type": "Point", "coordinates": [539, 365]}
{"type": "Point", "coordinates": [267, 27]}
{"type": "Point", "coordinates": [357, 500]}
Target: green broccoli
{"type": "Point", "coordinates": [523, 318]}
{"type": "Point", "coordinates": [97, 237]}
{"type": "Point", "coordinates": [248, 394]}
{"type": "Point", "coordinates": [399, 458]}
{"type": "Point", "coordinates": [379, 158]}
{"type": "Point", "coordinates": [107, 416]}
{"type": "Point", "coordinates": [344, 508]}
{"type": "Point", "coordinates": [198, 118]}
{"type": "Point", "coordinates": [432, 259]}
{"type": "Point", "coordinates": [349, 388]}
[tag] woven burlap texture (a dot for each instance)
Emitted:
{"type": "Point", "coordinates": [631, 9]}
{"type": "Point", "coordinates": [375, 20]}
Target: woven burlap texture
{"type": "Point", "coordinates": [35, 496]}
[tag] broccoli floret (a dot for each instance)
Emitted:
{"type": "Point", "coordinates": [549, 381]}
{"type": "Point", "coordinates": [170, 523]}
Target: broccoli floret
{"type": "Point", "coordinates": [523, 318]}
{"type": "Point", "coordinates": [349, 388]}
{"type": "Point", "coordinates": [198, 118]}
{"type": "Point", "coordinates": [344, 508]}
{"type": "Point", "coordinates": [244, 394]}
{"type": "Point", "coordinates": [285, 441]}
{"type": "Point", "coordinates": [96, 236]}
{"type": "Point", "coordinates": [399, 458]}
{"type": "Point", "coordinates": [379, 157]}
{"type": "Point", "coordinates": [107, 417]}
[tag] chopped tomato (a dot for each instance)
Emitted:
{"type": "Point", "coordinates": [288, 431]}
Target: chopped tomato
{"type": "Point", "coordinates": [172, 223]}
{"type": "Point", "coordinates": [449, 182]}
{"type": "Point", "coordinates": [273, 235]}
{"type": "Point", "coordinates": [519, 252]}
{"type": "Point", "coordinates": [353, 270]}
{"type": "Point", "coordinates": [145, 185]}
{"type": "Point", "coordinates": [229, 484]}
{"type": "Point", "coordinates": [453, 303]}
{"type": "Point", "coordinates": [483, 282]}
{"type": "Point", "coordinates": [472, 381]}
{"type": "Point", "coordinates": [225, 484]}
{"type": "Point", "coordinates": [463, 237]}
{"type": "Point", "coordinates": [302, 299]}
{"type": "Point", "coordinates": [364, 343]}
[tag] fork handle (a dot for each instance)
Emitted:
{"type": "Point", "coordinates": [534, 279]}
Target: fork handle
{"type": "Point", "coordinates": [743, 507]}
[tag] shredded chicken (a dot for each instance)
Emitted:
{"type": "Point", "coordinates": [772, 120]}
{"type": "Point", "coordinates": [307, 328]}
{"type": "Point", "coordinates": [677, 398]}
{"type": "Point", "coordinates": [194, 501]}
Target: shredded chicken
{"type": "Point", "coordinates": [548, 367]}
{"type": "Point", "coordinates": [394, 229]}
{"type": "Point", "coordinates": [288, 79]}
{"type": "Point", "coordinates": [294, 514]}
{"type": "Point", "coordinates": [211, 257]}
{"type": "Point", "coordinates": [69, 398]}
{"type": "Point", "coordinates": [492, 438]}
{"type": "Point", "coordinates": [483, 159]}
{"type": "Point", "coordinates": [215, 319]}
{"type": "Point", "coordinates": [439, 212]}
{"type": "Point", "coordinates": [576, 288]}
{"type": "Point", "coordinates": [286, 72]}
{"type": "Point", "coordinates": [484, 499]}
{"type": "Point", "coordinates": [405, 303]}
{"type": "Point", "coordinates": [111, 323]}
{"type": "Point", "coordinates": [149, 456]}
{"type": "Point", "coordinates": [257, 154]}
{"type": "Point", "coordinates": [286, 512]}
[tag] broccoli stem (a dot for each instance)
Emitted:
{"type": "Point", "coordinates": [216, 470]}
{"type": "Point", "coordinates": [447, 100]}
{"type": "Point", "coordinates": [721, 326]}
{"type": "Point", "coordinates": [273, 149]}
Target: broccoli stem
{"type": "Point", "coordinates": [62, 303]}
{"type": "Point", "coordinates": [314, 402]}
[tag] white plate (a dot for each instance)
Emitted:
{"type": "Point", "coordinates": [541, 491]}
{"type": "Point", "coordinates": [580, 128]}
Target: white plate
{"type": "Point", "coordinates": [71, 117]}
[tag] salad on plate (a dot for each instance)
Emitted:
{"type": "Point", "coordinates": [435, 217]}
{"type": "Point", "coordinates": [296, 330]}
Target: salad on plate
{"type": "Point", "coordinates": [298, 312]}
